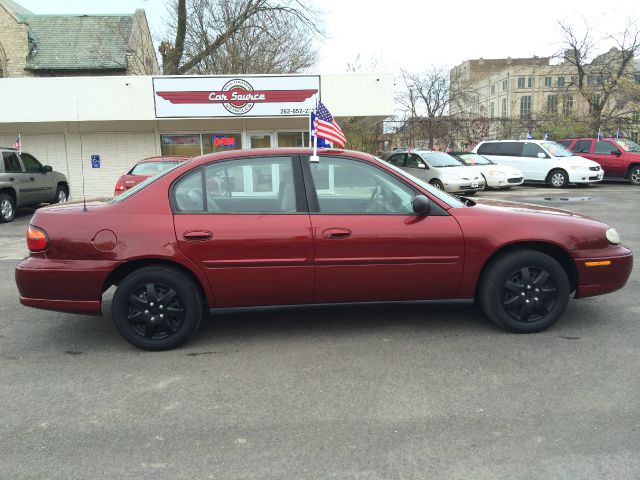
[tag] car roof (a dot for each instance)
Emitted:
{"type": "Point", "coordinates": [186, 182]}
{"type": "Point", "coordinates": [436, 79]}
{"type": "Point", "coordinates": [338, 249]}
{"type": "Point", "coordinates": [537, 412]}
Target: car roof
{"type": "Point", "coordinates": [163, 159]}
{"type": "Point", "coordinates": [532, 140]}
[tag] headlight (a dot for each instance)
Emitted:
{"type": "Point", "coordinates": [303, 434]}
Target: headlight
{"type": "Point", "coordinates": [496, 172]}
{"type": "Point", "coordinates": [612, 236]}
{"type": "Point", "coordinates": [579, 167]}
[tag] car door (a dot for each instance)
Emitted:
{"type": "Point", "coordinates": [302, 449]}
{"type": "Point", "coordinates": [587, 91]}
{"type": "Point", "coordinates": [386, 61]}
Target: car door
{"type": "Point", "coordinates": [369, 244]}
{"type": "Point", "coordinates": [246, 224]}
{"type": "Point", "coordinates": [42, 188]}
{"type": "Point", "coordinates": [536, 163]}
{"type": "Point", "coordinates": [609, 156]}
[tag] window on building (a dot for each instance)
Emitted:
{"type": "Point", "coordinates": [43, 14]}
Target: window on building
{"type": "Point", "coordinates": [567, 105]}
{"type": "Point", "coordinates": [520, 82]}
{"type": "Point", "coordinates": [594, 103]}
{"type": "Point", "coordinates": [219, 142]}
{"type": "Point", "coordinates": [635, 136]}
{"type": "Point", "coordinates": [552, 104]}
{"type": "Point", "coordinates": [547, 81]}
{"type": "Point", "coordinates": [493, 89]}
{"type": "Point", "coordinates": [504, 108]}
{"type": "Point", "coordinates": [525, 106]}
{"type": "Point", "coordinates": [530, 82]}
{"type": "Point", "coordinates": [180, 145]}
{"type": "Point", "coordinates": [291, 139]}
{"type": "Point", "coordinates": [561, 81]}
{"type": "Point", "coordinates": [505, 85]}
{"type": "Point", "coordinates": [492, 110]}
{"type": "Point", "coordinates": [635, 118]}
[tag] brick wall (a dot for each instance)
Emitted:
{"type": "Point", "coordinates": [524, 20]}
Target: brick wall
{"type": "Point", "coordinates": [14, 44]}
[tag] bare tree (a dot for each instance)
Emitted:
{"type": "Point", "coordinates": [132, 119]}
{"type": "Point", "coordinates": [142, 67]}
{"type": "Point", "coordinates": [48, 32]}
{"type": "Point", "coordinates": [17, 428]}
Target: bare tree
{"type": "Point", "coordinates": [240, 36]}
{"type": "Point", "coordinates": [599, 80]}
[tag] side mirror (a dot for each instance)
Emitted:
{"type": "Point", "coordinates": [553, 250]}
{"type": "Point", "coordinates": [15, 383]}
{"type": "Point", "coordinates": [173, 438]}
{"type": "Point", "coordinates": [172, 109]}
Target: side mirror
{"type": "Point", "coordinates": [541, 155]}
{"type": "Point", "coordinates": [421, 204]}
{"type": "Point", "coordinates": [422, 165]}
{"type": "Point", "coordinates": [47, 168]}
{"type": "Point", "coordinates": [617, 152]}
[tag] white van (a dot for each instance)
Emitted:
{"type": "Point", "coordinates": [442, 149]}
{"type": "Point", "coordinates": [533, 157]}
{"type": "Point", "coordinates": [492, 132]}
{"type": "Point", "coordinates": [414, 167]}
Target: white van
{"type": "Point", "coordinates": [542, 161]}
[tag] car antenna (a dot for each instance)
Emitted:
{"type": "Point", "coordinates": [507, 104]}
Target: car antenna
{"type": "Point", "coordinates": [84, 198]}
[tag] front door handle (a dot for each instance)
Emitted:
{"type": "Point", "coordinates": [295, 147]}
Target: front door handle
{"type": "Point", "coordinates": [11, 179]}
{"type": "Point", "coordinates": [32, 179]}
{"type": "Point", "coordinates": [197, 235]}
{"type": "Point", "coordinates": [335, 233]}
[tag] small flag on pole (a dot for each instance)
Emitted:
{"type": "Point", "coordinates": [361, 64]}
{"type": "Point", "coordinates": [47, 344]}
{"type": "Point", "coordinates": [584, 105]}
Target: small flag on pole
{"type": "Point", "coordinates": [449, 147]}
{"type": "Point", "coordinates": [18, 145]}
{"type": "Point", "coordinates": [546, 135]}
{"type": "Point", "coordinates": [322, 143]}
{"type": "Point", "coordinates": [599, 135]}
{"type": "Point", "coordinates": [529, 135]}
{"type": "Point", "coordinates": [327, 128]}
{"type": "Point", "coordinates": [618, 133]}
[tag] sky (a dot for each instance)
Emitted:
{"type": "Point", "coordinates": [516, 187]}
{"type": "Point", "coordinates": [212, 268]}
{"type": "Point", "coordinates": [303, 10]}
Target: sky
{"type": "Point", "coordinates": [416, 35]}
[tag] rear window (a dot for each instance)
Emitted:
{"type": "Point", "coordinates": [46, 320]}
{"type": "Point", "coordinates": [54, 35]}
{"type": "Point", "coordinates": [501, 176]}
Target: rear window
{"type": "Point", "coordinates": [151, 168]}
{"type": "Point", "coordinates": [581, 146]}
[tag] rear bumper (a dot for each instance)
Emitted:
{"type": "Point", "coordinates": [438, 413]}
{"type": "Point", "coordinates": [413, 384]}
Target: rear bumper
{"type": "Point", "coordinates": [65, 286]}
{"type": "Point", "coordinates": [596, 280]}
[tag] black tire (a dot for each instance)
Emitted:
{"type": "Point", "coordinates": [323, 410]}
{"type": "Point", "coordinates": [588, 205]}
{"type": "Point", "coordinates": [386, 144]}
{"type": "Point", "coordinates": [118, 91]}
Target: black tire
{"type": "Point", "coordinates": [142, 300]}
{"type": "Point", "coordinates": [486, 184]}
{"type": "Point", "coordinates": [524, 291]}
{"type": "Point", "coordinates": [62, 194]}
{"type": "Point", "coordinates": [469, 194]}
{"type": "Point", "coordinates": [7, 208]}
{"type": "Point", "coordinates": [634, 175]}
{"type": "Point", "coordinates": [558, 178]}
{"type": "Point", "coordinates": [437, 183]}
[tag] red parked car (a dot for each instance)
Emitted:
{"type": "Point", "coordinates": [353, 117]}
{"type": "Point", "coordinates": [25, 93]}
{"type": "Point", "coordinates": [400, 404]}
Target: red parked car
{"type": "Point", "coordinates": [618, 157]}
{"type": "Point", "coordinates": [252, 228]}
{"type": "Point", "coordinates": [144, 169]}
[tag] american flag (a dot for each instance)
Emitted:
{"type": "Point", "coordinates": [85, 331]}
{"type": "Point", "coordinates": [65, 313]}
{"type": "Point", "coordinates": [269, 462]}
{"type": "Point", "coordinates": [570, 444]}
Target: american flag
{"type": "Point", "coordinates": [327, 128]}
{"type": "Point", "coordinates": [18, 144]}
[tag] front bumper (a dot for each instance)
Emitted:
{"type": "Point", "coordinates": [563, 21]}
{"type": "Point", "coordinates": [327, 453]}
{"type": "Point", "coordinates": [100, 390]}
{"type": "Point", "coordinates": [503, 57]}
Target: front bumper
{"type": "Point", "coordinates": [503, 181]}
{"type": "Point", "coordinates": [585, 176]}
{"type": "Point", "coordinates": [462, 186]}
{"type": "Point", "coordinates": [72, 286]}
{"type": "Point", "coordinates": [608, 273]}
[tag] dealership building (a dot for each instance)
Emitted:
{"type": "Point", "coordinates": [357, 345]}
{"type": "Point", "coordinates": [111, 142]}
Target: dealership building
{"type": "Point", "coordinates": [95, 128]}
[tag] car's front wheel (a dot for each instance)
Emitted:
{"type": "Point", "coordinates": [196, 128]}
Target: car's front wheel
{"type": "Point", "coordinates": [437, 183]}
{"type": "Point", "coordinates": [7, 208]}
{"type": "Point", "coordinates": [558, 178]}
{"type": "Point", "coordinates": [157, 308]}
{"type": "Point", "coordinates": [524, 291]}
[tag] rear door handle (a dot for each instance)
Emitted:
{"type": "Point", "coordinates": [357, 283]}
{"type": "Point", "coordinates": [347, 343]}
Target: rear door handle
{"type": "Point", "coordinates": [11, 179]}
{"type": "Point", "coordinates": [32, 179]}
{"type": "Point", "coordinates": [195, 235]}
{"type": "Point", "coordinates": [335, 233]}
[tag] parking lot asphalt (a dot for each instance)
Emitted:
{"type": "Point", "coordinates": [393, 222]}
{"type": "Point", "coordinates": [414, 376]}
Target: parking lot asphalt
{"type": "Point", "coordinates": [406, 392]}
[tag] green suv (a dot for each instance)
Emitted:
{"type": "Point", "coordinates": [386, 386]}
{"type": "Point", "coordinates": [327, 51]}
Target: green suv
{"type": "Point", "coordinates": [24, 181]}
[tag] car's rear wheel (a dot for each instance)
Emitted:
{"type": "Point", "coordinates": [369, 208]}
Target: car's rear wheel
{"type": "Point", "coordinates": [524, 291]}
{"type": "Point", "coordinates": [437, 183]}
{"type": "Point", "coordinates": [157, 308]}
{"type": "Point", "coordinates": [61, 194]}
{"type": "Point", "coordinates": [634, 175]}
{"type": "Point", "coordinates": [558, 178]}
{"type": "Point", "coordinates": [7, 208]}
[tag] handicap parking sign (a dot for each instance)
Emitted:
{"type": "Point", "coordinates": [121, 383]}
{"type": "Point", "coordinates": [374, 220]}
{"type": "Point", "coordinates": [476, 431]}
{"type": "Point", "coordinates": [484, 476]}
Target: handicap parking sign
{"type": "Point", "coordinates": [95, 161]}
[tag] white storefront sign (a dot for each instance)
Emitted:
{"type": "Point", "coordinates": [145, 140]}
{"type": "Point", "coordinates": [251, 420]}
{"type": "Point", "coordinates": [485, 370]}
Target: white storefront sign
{"type": "Point", "coordinates": [247, 96]}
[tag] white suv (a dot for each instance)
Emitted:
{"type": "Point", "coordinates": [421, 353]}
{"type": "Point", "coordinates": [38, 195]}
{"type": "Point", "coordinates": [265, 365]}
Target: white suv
{"type": "Point", "coordinates": [542, 161]}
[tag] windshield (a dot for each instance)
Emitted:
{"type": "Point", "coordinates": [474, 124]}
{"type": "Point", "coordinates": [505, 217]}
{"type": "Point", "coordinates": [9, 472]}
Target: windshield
{"type": "Point", "coordinates": [141, 185]}
{"type": "Point", "coordinates": [151, 168]}
{"type": "Point", "coordinates": [627, 145]}
{"type": "Point", "coordinates": [556, 149]}
{"type": "Point", "coordinates": [440, 159]}
{"type": "Point", "coordinates": [473, 159]}
{"type": "Point", "coordinates": [445, 197]}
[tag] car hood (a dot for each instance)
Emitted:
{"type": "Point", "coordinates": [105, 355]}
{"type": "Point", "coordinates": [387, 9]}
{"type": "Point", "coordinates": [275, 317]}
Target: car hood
{"type": "Point", "coordinates": [462, 171]}
{"type": "Point", "coordinates": [518, 207]}
{"type": "Point", "coordinates": [578, 160]}
{"type": "Point", "coordinates": [509, 171]}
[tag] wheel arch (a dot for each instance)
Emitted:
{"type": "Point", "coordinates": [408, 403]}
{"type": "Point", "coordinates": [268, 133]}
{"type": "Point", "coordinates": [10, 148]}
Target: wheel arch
{"type": "Point", "coordinates": [631, 167]}
{"type": "Point", "coordinates": [11, 192]}
{"type": "Point", "coordinates": [117, 275]}
{"type": "Point", "coordinates": [556, 252]}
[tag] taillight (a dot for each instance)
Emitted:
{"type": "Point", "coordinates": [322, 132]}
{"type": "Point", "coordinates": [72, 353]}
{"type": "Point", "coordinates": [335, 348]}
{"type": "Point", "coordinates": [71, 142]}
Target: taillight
{"type": "Point", "coordinates": [37, 239]}
{"type": "Point", "coordinates": [119, 186]}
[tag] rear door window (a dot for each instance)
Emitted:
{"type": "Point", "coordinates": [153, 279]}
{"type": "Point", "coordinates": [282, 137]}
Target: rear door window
{"type": "Point", "coordinates": [488, 148]}
{"type": "Point", "coordinates": [582, 146]}
{"type": "Point", "coordinates": [11, 163]}
{"type": "Point", "coordinates": [509, 149]}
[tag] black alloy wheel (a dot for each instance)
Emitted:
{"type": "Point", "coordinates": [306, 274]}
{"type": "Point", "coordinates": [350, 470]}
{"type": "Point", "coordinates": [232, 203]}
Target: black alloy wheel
{"type": "Point", "coordinates": [524, 291]}
{"type": "Point", "coordinates": [157, 308]}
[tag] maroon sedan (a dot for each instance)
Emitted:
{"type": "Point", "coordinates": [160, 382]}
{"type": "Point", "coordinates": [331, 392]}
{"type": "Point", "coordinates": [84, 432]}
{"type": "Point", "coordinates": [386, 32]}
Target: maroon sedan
{"type": "Point", "coordinates": [144, 169]}
{"type": "Point", "coordinates": [252, 228]}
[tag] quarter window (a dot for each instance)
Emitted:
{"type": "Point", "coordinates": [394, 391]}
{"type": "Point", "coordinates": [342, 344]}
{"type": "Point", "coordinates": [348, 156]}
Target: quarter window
{"type": "Point", "coordinates": [350, 186]}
